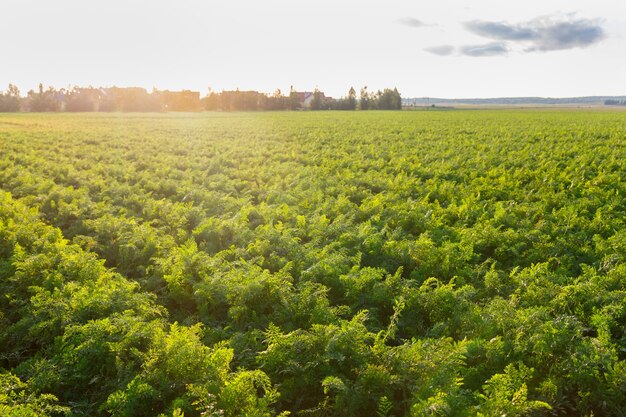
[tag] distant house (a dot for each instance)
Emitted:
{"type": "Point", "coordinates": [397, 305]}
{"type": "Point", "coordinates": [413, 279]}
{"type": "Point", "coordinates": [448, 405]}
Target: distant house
{"type": "Point", "coordinates": [306, 98]}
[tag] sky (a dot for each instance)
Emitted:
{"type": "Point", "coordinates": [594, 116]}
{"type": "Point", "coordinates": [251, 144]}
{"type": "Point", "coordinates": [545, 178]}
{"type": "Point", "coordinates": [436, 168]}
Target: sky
{"type": "Point", "coordinates": [443, 48]}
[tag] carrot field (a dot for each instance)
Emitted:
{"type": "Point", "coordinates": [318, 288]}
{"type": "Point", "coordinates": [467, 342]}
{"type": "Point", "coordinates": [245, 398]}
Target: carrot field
{"type": "Point", "coordinates": [415, 263]}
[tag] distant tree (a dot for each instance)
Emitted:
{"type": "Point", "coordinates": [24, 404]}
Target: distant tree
{"type": "Point", "coordinates": [318, 100]}
{"type": "Point", "coordinates": [374, 100]}
{"type": "Point", "coordinates": [136, 99]}
{"type": "Point", "coordinates": [341, 104]}
{"type": "Point", "coordinates": [262, 101]}
{"type": "Point", "coordinates": [45, 101]}
{"type": "Point", "coordinates": [226, 101]}
{"type": "Point", "coordinates": [238, 100]}
{"type": "Point", "coordinates": [10, 100]}
{"type": "Point", "coordinates": [253, 100]}
{"type": "Point", "coordinates": [277, 101]}
{"type": "Point", "coordinates": [390, 100]}
{"type": "Point", "coordinates": [364, 101]}
{"type": "Point", "coordinates": [82, 99]}
{"type": "Point", "coordinates": [351, 104]}
{"type": "Point", "coordinates": [211, 102]}
{"type": "Point", "coordinates": [107, 101]}
{"type": "Point", "coordinates": [13, 90]}
{"type": "Point", "coordinates": [184, 100]}
{"type": "Point", "coordinates": [294, 100]}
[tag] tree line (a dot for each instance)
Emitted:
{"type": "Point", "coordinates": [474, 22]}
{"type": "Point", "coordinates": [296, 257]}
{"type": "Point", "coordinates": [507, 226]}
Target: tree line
{"type": "Point", "coordinates": [237, 100]}
{"type": "Point", "coordinates": [136, 99]}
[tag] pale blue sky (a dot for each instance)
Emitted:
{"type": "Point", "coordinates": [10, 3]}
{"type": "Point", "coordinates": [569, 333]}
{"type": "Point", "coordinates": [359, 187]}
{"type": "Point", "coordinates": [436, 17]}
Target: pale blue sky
{"type": "Point", "coordinates": [444, 48]}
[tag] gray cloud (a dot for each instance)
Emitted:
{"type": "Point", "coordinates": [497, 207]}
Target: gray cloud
{"type": "Point", "coordinates": [567, 35]}
{"type": "Point", "coordinates": [441, 50]}
{"type": "Point", "coordinates": [500, 31]}
{"type": "Point", "coordinates": [543, 34]}
{"type": "Point", "coordinates": [490, 49]}
{"type": "Point", "coordinates": [412, 22]}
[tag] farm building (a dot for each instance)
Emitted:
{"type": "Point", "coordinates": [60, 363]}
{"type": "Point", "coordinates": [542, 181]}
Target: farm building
{"type": "Point", "coordinates": [306, 98]}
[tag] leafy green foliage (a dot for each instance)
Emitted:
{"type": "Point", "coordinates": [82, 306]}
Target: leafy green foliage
{"type": "Point", "coordinates": [17, 400]}
{"type": "Point", "coordinates": [506, 394]}
{"type": "Point", "coordinates": [318, 264]}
